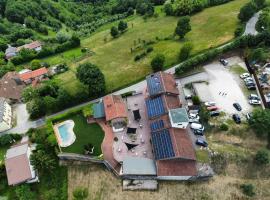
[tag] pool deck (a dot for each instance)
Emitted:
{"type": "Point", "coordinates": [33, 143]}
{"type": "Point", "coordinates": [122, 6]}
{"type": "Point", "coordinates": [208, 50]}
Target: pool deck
{"type": "Point", "coordinates": [70, 130]}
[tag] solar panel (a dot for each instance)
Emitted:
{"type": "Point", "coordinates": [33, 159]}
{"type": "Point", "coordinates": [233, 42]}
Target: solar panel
{"type": "Point", "coordinates": [155, 107]}
{"type": "Point", "coordinates": [162, 144]}
{"type": "Point", "coordinates": [154, 84]}
{"type": "Point", "coordinates": [156, 125]}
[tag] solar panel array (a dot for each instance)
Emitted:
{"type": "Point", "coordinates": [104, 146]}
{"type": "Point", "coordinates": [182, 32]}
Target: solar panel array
{"type": "Point", "coordinates": [156, 125]}
{"type": "Point", "coordinates": [154, 84]}
{"type": "Point", "coordinates": [162, 143]}
{"type": "Point", "coordinates": [155, 107]}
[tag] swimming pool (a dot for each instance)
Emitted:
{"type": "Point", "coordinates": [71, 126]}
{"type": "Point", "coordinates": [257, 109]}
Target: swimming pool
{"type": "Point", "coordinates": [63, 130]}
{"type": "Point", "coordinates": [64, 133]}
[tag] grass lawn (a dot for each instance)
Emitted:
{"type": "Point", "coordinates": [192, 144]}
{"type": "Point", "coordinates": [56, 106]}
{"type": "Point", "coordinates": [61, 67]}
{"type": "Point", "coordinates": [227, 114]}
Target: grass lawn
{"type": "Point", "coordinates": [211, 27]}
{"type": "Point", "coordinates": [85, 133]}
{"type": "Point", "coordinates": [202, 156]}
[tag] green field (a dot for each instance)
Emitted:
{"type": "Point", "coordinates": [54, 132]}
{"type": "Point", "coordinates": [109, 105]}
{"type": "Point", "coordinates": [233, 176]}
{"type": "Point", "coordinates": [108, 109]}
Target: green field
{"type": "Point", "coordinates": [211, 27]}
{"type": "Point", "coordinates": [85, 134]}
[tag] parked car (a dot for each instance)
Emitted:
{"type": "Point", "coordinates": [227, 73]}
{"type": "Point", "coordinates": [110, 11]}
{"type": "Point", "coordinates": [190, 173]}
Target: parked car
{"type": "Point", "coordinates": [197, 126]}
{"type": "Point", "coordinates": [251, 87]}
{"type": "Point", "coordinates": [198, 132]}
{"type": "Point", "coordinates": [214, 113]}
{"type": "Point", "coordinates": [248, 83]}
{"type": "Point", "coordinates": [254, 102]}
{"type": "Point", "coordinates": [188, 97]}
{"type": "Point", "coordinates": [223, 62]}
{"type": "Point", "coordinates": [237, 106]}
{"type": "Point", "coordinates": [248, 116]}
{"type": "Point", "coordinates": [236, 118]}
{"type": "Point", "coordinates": [212, 108]}
{"type": "Point", "coordinates": [201, 142]}
{"type": "Point", "coordinates": [244, 75]}
{"type": "Point", "coordinates": [248, 79]}
{"type": "Point", "coordinates": [253, 96]}
{"type": "Point", "coordinates": [210, 103]}
{"type": "Point", "coordinates": [194, 120]}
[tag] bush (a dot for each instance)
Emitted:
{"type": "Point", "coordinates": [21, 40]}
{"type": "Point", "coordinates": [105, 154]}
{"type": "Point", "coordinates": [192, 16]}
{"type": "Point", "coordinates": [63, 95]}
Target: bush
{"type": "Point", "coordinates": [185, 51]}
{"type": "Point", "coordinates": [196, 100]}
{"type": "Point", "coordinates": [248, 189]}
{"type": "Point", "coordinates": [239, 30]}
{"type": "Point", "coordinates": [247, 11]}
{"type": "Point", "coordinates": [224, 127]}
{"type": "Point", "coordinates": [80, 193]}
{"type": "Point", "coordinates": [149, 49]}
{"type": "Point", "coordinates": [262, 157]}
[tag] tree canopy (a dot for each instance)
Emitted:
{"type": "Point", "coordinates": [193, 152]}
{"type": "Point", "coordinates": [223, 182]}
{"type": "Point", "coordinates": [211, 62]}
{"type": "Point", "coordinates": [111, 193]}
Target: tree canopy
{"type": "Point", "coordinates": [90, 75]}
{"type": "Point", "coordinates": [183, 26]}
{"type": "Point", "coordinates": [157, 62]}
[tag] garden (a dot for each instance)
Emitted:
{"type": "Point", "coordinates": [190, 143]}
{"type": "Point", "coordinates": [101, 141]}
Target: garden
{"type": "Point", "coordinates": [86, 134]}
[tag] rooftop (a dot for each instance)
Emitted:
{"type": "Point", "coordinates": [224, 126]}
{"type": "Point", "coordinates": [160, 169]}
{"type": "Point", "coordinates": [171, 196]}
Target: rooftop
{"type": "Point", "coordinates": [31, 45]}
{"type": "Point", "coordinates": [11, 86]}
{"type": "Point", "coordinates": [114, 107]}
{"type": "Point", "coordinates": [160, 83]}
{"type": "Point", "coordinates": [33, 74]}
{"type": "Point", "coordinates": [17, 164]}
{"type": "Point", "coordinates": [179, 115]}
{"type": "Point", "coordinates": [138, 166]}
{"type": "Point", "coordinates": [98, 109]}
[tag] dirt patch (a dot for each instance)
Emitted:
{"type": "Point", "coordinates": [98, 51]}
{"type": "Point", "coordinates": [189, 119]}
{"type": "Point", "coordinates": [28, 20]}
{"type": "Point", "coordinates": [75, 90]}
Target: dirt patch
{"type": "Point", "coordinates": [103, 185]}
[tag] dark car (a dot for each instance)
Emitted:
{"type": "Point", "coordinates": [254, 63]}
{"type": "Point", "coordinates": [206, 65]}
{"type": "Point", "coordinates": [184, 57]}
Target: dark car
{"type": "Point", "coordinates": [251, 87]}
{"type": "Point", "coordinates": [223, 62]}
{"type": "Point", "coordinates": [198, 132]}
{"type": "Point", "coordinates": [201, 142]}
{"type": "Point", "coordinates": [236, 118]}
{"type": "Point", "coordinates": [237, 106]}
{"type": "Point", "coordinates": [214, 113]}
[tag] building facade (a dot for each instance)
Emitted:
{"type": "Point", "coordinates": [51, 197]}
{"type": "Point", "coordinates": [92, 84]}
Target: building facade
{"type": "Point", "coordinates": [5, 115]}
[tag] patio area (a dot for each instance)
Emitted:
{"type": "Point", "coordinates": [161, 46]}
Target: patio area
{"type": "Point", "coordinates": [135, 139]}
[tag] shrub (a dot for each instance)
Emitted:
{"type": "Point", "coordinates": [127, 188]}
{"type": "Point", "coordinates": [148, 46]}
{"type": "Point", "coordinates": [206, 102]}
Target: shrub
{"type": "Point", "coordinates": [248, 189]}
{"type": "Point", "coordinates": [224, 127]}
{"type": "Point", "coordinates": [149, 49]}
{"type": "Point", "coordinates": [185, 51]}
{"type": "Point", "coordinates": [80, 193]}
{"type": "Point", "coordinates": [196, 100]}
{"type": "Point", "coordinates": [239, 30]}
{"type": "Point", "coordinates": [262, 157]}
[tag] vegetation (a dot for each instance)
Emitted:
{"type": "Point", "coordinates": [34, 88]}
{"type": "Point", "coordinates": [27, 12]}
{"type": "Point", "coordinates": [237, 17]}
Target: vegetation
{"type": "Point", "coordinates": [183, 26]}
{"type": "Point", "coordinates": [185, 51]}
{"type": "Point", "coordinates": [157, 62]}
{"type": "Point", "coordinates": [262, 157]}
{"type": "Point", "coordinates": [85, 134]}
{"type": "Point", "coordinates": [250, 8]}
{"type": "Point", "coordinates": [248, 189]}
{"type": "Point", "coordinates": [91, 76]}
{"type": "Point", "coordinates": [80, 193]}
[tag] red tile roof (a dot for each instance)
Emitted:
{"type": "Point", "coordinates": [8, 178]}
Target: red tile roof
{"type": "Point", "coordinates": [171, 102]}
{"type": "Point", "coordinates": [182, 145]}
{"type": "Point", "coordinates": [31, 45]}
{"type": "Point", "coordinates": [169, 83]}
{"type": "Point", "coordinates": [33, 74]}
{"type": "Point", "coordinates": [114, 107]}
{"type": "Point", "coordinates": [176, 167]}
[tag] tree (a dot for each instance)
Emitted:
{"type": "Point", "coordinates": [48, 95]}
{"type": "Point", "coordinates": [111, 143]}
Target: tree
{"type": "Point", "coordinates": [114, 32]}
{"type": "Point", "coordinates": [185, 51]}
{"type": "Point", "coordinates": [122, 26]}
{"type": "Point", "coordinates": [168, 9]}
{"type": "Point", "coordinates": [29, 93]}
{"type": "Point", "coordinates": [36, 108]}
{"type": "Point", "coordinates": [262, 157]}
{"type": "Point", "coordinates": [260, 123]}
{"type": "Point", "coordinates": [35, 64]}
{"type": "Point", "coordinates": [3, 44]}
{"type": "Point", "coordinates": [80, 193]}
{"type": "Point", "coordinates": [90, 75]}
{"type": "Point", "coordinates": [196, 100]}
{"type": "Point", "coordinates": [247, 11]}
{"type": "Point", "coordinates": [259, 3]}
{"type": "Point", "coordinates": [157, 62]}
{"type": "Point", "coordinates": [42, 161]}
{"type": "Point", "coordinates": [183, 26]}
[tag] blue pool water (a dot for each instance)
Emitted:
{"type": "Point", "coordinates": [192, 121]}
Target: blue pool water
{"type": "Point", "coordinates": [63, 130]}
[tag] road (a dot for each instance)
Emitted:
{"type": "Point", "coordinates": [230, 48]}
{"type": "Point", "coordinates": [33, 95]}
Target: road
{"type": "Point", "coordinates": [24, 123]}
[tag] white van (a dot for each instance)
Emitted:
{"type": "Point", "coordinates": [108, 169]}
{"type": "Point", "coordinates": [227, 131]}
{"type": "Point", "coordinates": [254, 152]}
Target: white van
{"type": "Point", "coordinates": [197, 126]}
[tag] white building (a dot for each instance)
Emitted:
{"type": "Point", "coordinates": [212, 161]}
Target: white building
{"type": "Point", "coordinates": [5, 115]}
{"type": "Point", "coordinates": [179, 118]}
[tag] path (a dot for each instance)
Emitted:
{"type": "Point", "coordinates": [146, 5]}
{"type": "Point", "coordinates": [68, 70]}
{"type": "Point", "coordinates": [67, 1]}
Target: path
{"type": "Point", "coordinates": [26, 124]}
